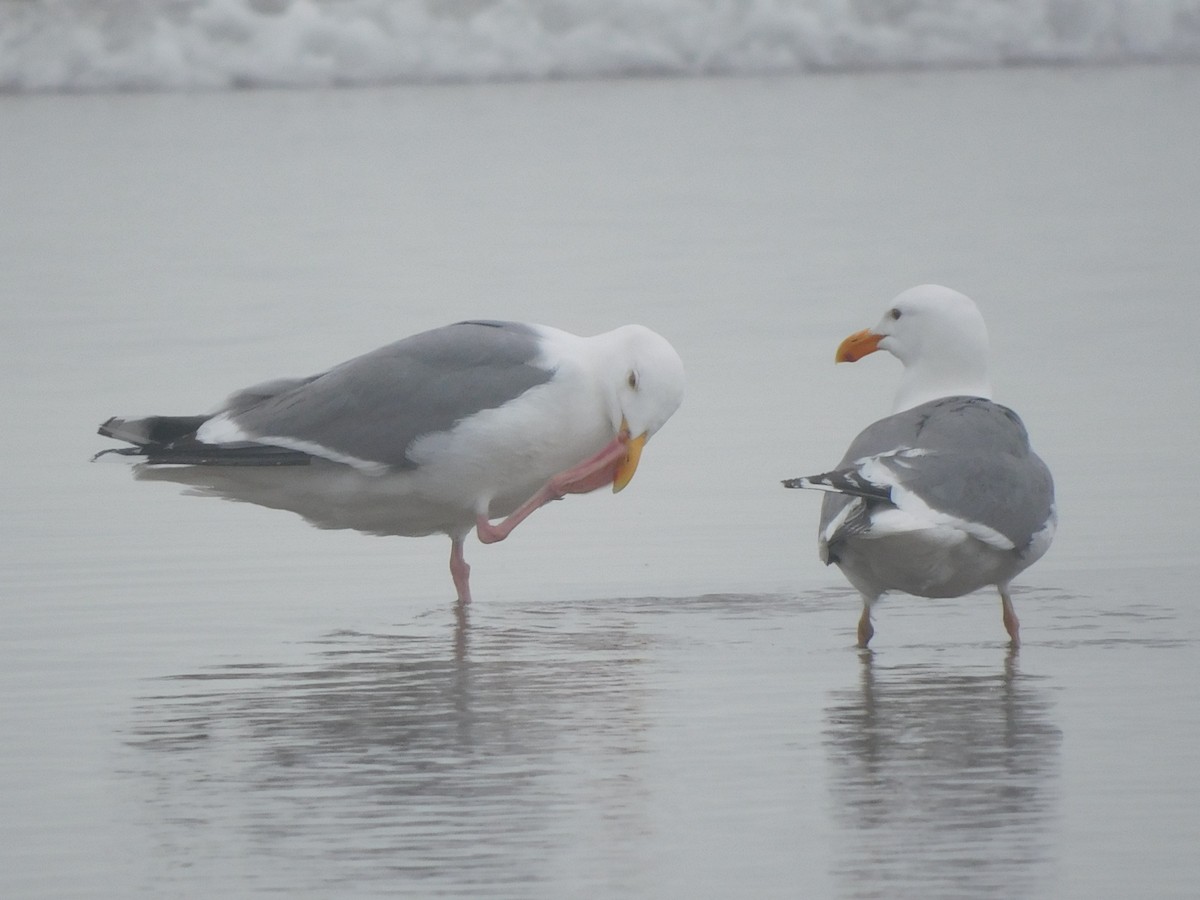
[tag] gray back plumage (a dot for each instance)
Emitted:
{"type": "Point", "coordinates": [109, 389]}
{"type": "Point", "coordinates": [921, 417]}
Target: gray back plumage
{"type": "Point", "coordinates": [373, 407]}
{"type": "Point", "coordinates": [977, 465]}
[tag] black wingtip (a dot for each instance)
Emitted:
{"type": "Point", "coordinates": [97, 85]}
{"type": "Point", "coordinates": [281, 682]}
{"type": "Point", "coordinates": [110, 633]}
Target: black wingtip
{"type": "Point", "coordinates": [120, 451]}
{"type": "Point", "coordinates": [793, 482]}
{"type": "Point", "coordinates": [107, 426]}
{"type": "Point", "coordinates": [250, 455]}
{"type": "Point", "coordinates": [171, 440]}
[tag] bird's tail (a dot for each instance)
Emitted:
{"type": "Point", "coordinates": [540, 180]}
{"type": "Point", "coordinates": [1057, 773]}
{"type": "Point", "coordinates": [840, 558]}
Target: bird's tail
{"type": "Point", "coordinates": [841, 481]}
{"type": "Point", "coordinates": [152, 430]}
{"type": "Point", "coordinates": [171, 440]}
{"type": "Point", "coordinates": [803, 482]}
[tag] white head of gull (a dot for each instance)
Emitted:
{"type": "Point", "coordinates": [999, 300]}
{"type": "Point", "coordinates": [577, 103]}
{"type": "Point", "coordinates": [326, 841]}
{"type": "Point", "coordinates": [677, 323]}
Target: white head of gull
{"type": "Point", "coordinates": [939, 336]}
{"type": "Point", "coordinates": [443, 431]}
{"type": "Point", "coordinates": [945, 495]}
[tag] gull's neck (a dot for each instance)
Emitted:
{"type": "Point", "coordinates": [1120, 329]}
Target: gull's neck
{"type": "Point", "coordinates": [928, 381]}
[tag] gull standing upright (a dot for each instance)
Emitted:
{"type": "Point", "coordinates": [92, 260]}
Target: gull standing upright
{"type": "Point", "coordinates": [439, 432]}
{"type": "Point", "coordinates": [945, 495]}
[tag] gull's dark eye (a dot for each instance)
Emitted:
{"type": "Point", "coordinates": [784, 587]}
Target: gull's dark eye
{"type": "Point", "coordinates": [894, 313]}
{"type": "Point", "coordinates": [633, 380]}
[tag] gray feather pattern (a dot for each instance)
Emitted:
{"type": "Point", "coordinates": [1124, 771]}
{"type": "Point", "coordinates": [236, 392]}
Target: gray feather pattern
{"type": "Point", "coordinates": [373, 407]}
{"type": "Point", "coordinates": [976, 464]}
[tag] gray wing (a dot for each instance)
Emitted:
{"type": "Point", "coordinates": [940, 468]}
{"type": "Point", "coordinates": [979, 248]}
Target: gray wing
{"type": "Point", "coordinates": [373, 407]}
{"type": "Point", "coordinates": [246, 398]}
{"type": "Point", "coordinates": [964, 456]}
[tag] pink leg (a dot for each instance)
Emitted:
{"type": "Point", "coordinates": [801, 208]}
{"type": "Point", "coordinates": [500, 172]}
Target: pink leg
{"type": "Point", "coordinates": [590, 474]}
{"type": "Point", "coordinates": [459, 570]}
{"type": "Point", "coordinates": [1011, 623]}
{"type": "Point", "coordinates": [865, 629]}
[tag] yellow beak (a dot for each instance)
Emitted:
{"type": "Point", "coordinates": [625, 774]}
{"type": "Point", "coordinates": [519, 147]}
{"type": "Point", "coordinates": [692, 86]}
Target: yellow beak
{"type": "Point", "coordinates": [633, 453]}
{"type": "Point", "coordinates": [858, 345]}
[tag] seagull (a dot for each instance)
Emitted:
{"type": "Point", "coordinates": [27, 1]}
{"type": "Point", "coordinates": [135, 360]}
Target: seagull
{"type": "Point", "coordinates": [443, 431]}
{"type": "Point", "coordinates": [944, 496]}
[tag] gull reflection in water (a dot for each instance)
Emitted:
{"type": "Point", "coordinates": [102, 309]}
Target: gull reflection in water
{"type": "Point", "coordinates": [944, 781]}
{"type": "Point", "coordinates": [455, 759]}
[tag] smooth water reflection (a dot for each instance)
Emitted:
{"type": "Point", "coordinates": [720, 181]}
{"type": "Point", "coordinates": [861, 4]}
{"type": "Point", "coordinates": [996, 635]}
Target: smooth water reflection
{"type": "Point", "coordinates": [451, 760]}
{"type": "Point", "coordinates": [944, 781]}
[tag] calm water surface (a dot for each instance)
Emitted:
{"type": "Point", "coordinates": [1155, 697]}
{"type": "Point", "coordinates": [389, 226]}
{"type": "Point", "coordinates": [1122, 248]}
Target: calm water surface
{"type": "Point", "coordinates": [655, 695]}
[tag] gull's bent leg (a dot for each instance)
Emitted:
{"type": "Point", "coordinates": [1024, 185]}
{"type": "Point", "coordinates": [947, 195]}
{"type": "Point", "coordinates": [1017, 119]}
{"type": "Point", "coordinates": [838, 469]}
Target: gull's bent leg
{"type": "Point", "coordinates": [592, 473]}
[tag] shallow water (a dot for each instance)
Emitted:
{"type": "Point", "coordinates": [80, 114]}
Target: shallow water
{"type": "Point", "coordinates": [655, 694]}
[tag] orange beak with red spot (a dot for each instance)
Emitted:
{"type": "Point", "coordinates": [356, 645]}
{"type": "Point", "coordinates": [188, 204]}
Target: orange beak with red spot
{"type": "Point", "coordinates": [629, 463]}
{"type": "Point", "coordinates": [860, 344]}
